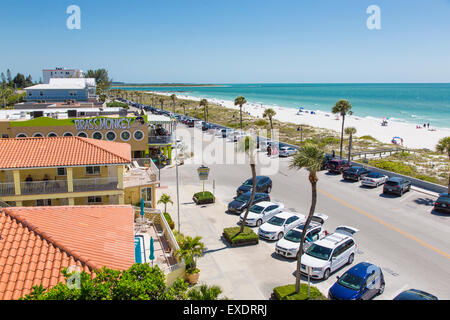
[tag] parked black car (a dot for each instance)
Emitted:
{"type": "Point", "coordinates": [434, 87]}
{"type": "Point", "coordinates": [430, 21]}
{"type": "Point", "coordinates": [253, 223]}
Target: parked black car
{"type": "Point", "coordinates": [263, 184]}
{"type": "Point", "coordinates": [414, 294]}
{"type": "Point", "coordinates": [328, 157]}
{"type": "Point", "coordinates": [443, 203]}
{"type": "Point", "coordinates": [338, 165]}
{"type": "Point", "coordinates": [241, 202]}
{"type": "Point", "coordinates": [355, 173]}
{"type": "Point", "coordinates": [397, 185]}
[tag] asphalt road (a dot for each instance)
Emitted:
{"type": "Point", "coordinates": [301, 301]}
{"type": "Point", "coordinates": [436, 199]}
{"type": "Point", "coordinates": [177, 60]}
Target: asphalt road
{"type": "Point", "coordinates": [402, 235]}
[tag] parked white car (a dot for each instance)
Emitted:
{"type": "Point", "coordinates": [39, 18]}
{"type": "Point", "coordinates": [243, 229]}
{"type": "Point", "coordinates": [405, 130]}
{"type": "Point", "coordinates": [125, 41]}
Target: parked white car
{"type": "Point", "coordinates": [287, 151]}
{"type": "Point", "coordinates": [374, 179]}
{"type": "Point", "coordinates": [277, 226]}
{"type": "Point", "coordinates": [289, 245]}
{"type": "Point", "coordinates": [261, 212]}
{"type": "Point", "coordinates": [330, 253]}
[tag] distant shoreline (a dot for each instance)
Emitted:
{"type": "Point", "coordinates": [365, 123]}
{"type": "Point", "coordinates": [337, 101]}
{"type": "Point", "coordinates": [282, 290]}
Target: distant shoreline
{"type": "Point", "coordinates": [171, 85]}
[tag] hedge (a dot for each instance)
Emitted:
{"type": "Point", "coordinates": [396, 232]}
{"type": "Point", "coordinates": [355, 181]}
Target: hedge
{"type": "Point", "coordinates": [169, 220]}
{"type": "Point", "coordinates": [203, 197]}
{"type": "Point", "coordinates": [288, 293]}
{"type": "Point", "coordinates": [248, 236]}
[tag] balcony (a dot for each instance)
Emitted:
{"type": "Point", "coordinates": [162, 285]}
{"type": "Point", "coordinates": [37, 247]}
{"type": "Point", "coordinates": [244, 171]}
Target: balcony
{"type": "Point", "coordinates": [60, 186]}
{"type": "Point", "coordinates": [95, 184]}
{"type": "Point", "coordinates": [160, 139]}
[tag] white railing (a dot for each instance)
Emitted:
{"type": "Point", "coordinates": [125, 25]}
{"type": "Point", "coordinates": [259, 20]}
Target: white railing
{"type": "Point", "coordinates": [43, 187]}
{"type": "Point", "coordinates": [95, 184]}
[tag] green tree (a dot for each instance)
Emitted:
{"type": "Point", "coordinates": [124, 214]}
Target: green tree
{"type": "Point", "coordinates": [190, 248]}
{"type": "Point", "coordinates": [342, 107]}
{"type": "Point", "coordinates": [350, 131]}
{"type": "Point", "coordinates": [3, 79]}
{"type": "Point", "coordinates": [240, 101]}
{"type": "Point", "coordinates": [165, 199]}
{"type": "Point", "coordinates": [183, 105]}
{"type": "Point", "coordinates": [161, 101]}
{"type": "Point", "coordinates": [9, 77]}
{"type": "Point", "coordinates": [19, 81]}
{"type": "Point", "coordinates": [139, 282]}
{"type": "Point", "coordinates": [270, 113]}
{"type": "Point", "coordinates": [443, 146]}
{"type": "Point", "coordinates": [5, 93]}
{"type": "Point", "coordinates": [248, 146]}
{"type": "Point", "coordinates": [173, 98]}
{"type": "Point", "coordinates": [101, 78]}
{"type": "Point", "coordinates": [28, 81]}
{"type": "Point", "coordinates": [204, 104]}
{"type": "Point", "coordinates": [309, 157]}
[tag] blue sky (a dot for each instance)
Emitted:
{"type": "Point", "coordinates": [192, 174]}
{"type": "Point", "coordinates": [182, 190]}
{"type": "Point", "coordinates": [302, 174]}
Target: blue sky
{"type": "Point", "coordinates": [231, 41]}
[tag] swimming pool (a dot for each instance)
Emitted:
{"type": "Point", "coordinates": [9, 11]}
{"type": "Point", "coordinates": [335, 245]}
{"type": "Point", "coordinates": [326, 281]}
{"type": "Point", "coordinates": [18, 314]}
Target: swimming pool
{"type": "Point", "coordinates": [139, 249]}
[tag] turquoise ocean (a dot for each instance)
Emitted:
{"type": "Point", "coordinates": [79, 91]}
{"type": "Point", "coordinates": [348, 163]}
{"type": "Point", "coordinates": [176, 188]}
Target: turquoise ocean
{"type": "Point", "coordinates": [414, 103]}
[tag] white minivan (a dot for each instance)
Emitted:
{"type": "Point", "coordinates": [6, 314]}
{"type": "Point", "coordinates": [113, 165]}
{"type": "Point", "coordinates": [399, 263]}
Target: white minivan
{"type": "Point", "coordinates": [261, 212]}
{"type": "Point", "coordinates": [330, 253]}
{"type": "Point", "coordinates": [277, 226]}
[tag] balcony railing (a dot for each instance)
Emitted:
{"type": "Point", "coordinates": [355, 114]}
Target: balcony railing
{"type": "Point", "coordinates": [7, 189]}
{"type": "Point", "coordinates": [160, 139]}
{"type": "Point", "coordinates": [95, 184]}
{"type": "Point", "coordinates": [43, 187]}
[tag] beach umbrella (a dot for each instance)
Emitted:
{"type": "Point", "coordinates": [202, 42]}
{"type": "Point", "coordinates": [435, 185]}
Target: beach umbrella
{"type": "Point", "coordinates": [142, 208]}
{"type": "Point", "coordinates": [152, 250]}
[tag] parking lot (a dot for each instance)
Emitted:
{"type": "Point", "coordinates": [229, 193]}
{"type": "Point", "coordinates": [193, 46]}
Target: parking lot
{"type": "Point", "coordinates": [402, 235]}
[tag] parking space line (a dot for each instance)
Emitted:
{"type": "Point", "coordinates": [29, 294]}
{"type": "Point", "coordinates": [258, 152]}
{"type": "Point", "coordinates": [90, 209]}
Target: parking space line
{"type": "Point", "coordinates": [446, 255]}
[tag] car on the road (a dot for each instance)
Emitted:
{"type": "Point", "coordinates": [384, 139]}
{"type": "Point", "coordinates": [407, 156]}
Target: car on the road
{"type": "Point", "coordinates": [261, 212]}
{"type": "Point", "coordinates": [277, 226]}
{"type": "Point", "coordinates": [361, 282]}
{"type": "Point", "coordinates": [442, 204]}
{"type": "Point", "coordinates": [263, 184]}
{"type": "Point", "coordinates": [397, 185]}
{"type": "Point", "coordinates": [326, 159]}
{"type": "Point", "coordinates": [241, 202]}
{"type": "Point", "coordinates": [414, 294]}
{"type": "Point", "coordinates": [338, 165]}
{"type": "Point", "coordinates": [330, 253]}
{"type": "Point", "coordinates": [286, 151]}
{"type": "Point", "coordinates": [289, 245]}
{"type": "Point", "coordinates": [374, 179]}
{"type": "Point", "coordinates": [355, 173]}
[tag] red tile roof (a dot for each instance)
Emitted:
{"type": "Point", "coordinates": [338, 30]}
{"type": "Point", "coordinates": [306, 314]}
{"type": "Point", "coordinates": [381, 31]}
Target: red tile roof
{"type": "Point", "coordinates": [37, 242]}
{"type": "Point", "coordinates": [61, 152]}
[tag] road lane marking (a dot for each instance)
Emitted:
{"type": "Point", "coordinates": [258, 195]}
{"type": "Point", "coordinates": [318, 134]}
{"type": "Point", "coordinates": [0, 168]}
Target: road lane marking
{"type": "Point", "coordinates": [446, 255]}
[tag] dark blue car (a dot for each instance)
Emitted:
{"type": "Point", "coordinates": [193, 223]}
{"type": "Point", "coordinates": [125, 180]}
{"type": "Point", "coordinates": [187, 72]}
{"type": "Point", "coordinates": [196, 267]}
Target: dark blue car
{"type": "Point", "coordinates": [362, 282]}
{"type": "Point", "coordinates": [241, 202]}
{"type": "Point", "coordinates": [263, 184]}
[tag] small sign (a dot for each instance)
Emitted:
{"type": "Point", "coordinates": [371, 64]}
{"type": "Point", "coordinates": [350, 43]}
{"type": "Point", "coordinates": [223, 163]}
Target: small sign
{"type": "Point", "coordinates": [203, 173]}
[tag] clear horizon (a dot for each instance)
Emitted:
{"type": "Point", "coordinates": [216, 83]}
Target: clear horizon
{"type": "Point", "coordinates": [231, 42]}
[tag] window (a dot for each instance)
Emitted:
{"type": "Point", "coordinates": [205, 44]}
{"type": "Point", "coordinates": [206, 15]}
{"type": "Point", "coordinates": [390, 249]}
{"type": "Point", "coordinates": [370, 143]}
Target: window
{"type": "Point", "coordinates": [52, 134]}
{"type": "Point", "coordinates": [4, 136]}
{"type": "Point", "coordinates": [92, 170]}
{"type": "Point", "coordinates": [68, 134]}
{"type": "Point", "coordinates": [82, 134]}
{"type": "Point", "coordinates": [110, 136]}
{"type": "Point", "coordinates": [138, 135]}
{"type": "Point", "coordinates": [61, 172]}
{"type": "Point", "coordinates": [291, 219]}
{"type": "Point", "coordinates": [21, 135]}
{"type": "Point", "coordinates": [146, 194]}
{"type": "Point", "coordinates": [38, 135]}
{"type": "Point", "coordinates": [95, 199]}
{"type": "Point", "coordinates": [125, 135]}
{"type": "Point", "coordinates": [340, 249]}
{"type": "Point", "coordinates": [97, 135]}
{"type": "Point", "coordinates": [314, 235]}
{"type": "Point", "coordinates": [41, 203]}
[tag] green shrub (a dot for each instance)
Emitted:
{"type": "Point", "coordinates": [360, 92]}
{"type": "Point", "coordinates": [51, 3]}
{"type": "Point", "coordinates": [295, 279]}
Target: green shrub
{"type": "Point", "coordinates": [169, 220]}
{"type": "Point", "coordinates": [117, 104]}
{"type": "Point", "coordinates": [424, 177]}
{"type": "Point", "coordinates": [203, 197]}
{"type": "Point", "coordinates": [288, 293]}
{"type": "Point", "coordinates": [247, 236]}
{"type": "Point", "coordinates": [397, 167]}
{"type": "Point", "coordinates": [367, 137]}
{"type": "Point", "coordinates": [261, 123]}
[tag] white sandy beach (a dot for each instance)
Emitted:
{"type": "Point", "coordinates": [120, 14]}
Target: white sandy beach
{"type": "Point", "coordinates": [412, 137]}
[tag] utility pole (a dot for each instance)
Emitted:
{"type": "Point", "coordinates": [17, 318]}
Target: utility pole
{"type": "Point", "coordinates": [176, 169]}
{"type": "Point", "coordinates": [301, 133]}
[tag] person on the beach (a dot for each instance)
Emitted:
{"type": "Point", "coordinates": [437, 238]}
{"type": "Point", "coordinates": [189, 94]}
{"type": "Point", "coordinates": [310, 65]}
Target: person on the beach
{"type": "Point", "coordinates": [269, 150]}
{"type": "Point", "coordinates": [428, 125]}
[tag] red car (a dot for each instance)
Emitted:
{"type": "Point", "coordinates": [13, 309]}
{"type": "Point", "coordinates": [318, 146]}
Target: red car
{"type": "Point", "coordinates": [337, 166]}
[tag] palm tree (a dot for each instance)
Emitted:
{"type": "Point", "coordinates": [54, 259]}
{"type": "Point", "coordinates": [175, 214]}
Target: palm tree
{"type": "Point", "coordinates": [443, 146]}
{"type": "Point", "coordinates": [342, 107]}
{"type": "Point", "coordinates": [309, 157]}
{"type": "Point", "coordinates": [350, 131]}
{"type": "Point", "coordinates": [189, 249]}
{"type": "Point", "coordinates": [270, 113]}
{"type": "Point", "coordinates": [165, 199]}
{"type": "Point", "coordinates": [240, 101]}
{"type": "Point", "coordinates": [248, 145]}
{"type": "Point", "coordinates": [161, 100]}
{"type": "Point", "coordinates": [183, 105]}
{"type": "Point", "coordinates": [204, 292]}
{"type": "Point", "coordinates": [204, 104]}
{"type": "Point", "coordinates": [5, 93]}
{"type": "Point", "coordinates": [173, 97]}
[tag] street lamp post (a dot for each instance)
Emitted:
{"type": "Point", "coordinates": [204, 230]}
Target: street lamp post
{"type": "Point", "coordinates": [176, 169]}
{"type": "Point", "coordinates": [301, 133]}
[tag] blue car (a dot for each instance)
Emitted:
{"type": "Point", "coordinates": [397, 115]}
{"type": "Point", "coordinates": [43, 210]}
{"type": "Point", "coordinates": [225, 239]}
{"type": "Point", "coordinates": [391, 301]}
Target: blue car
{"type": "Point", "coordinates": [362, 282]}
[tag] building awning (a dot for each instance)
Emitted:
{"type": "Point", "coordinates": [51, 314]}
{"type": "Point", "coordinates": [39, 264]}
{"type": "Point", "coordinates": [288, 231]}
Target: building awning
{"type": "Point", "coordinates": [158, 119]}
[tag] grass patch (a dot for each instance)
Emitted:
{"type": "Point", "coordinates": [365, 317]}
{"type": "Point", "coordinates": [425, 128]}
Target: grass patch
{"type": "Point", "coordinates": [397, 167]}
{"type": "Point", "coordinates": [248, 236]}
{"type": "Point", "coordinates": [288, 293]}
{"type": "Point", "coordinates": [169, 220]}
{"type": "Point", "coordinates": [203, 197]}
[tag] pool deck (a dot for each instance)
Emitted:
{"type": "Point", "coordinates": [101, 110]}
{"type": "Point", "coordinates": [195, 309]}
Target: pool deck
{"type": "Point", "coordinates": [164, 255]}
